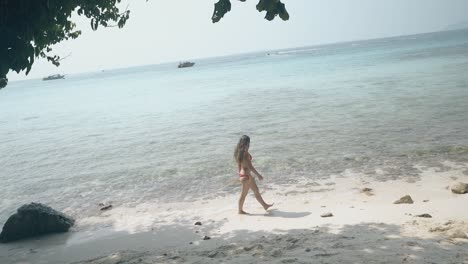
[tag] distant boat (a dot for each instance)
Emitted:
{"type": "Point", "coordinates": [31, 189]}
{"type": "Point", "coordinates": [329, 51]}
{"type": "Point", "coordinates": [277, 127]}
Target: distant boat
{"type": "Point", "coordinates": [53, 77]}
{"type": "Point", "coordinates": [185, 64]}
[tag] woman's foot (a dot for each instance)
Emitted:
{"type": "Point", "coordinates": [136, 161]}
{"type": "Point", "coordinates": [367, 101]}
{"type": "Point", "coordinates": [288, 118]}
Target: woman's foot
{"type": "Point", "coordinates": [268, 206]}
{"type": "Point", "coordinates": [243, 212]}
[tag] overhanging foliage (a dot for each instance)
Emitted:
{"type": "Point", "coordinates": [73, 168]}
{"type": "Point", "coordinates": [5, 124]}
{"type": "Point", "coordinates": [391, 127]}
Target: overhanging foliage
{"type": "Point", "coordinates": [29, 28]}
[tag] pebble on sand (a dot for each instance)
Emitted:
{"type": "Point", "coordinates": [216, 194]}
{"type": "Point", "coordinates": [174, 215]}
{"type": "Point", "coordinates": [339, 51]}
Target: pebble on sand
{"type": "Point", "coordinates": [326, 215]}
{"type": "Point", "coordinates": [198, 223]}
{"type": "Point", "coordinates": [206, 238]}
{"type": "Point", "coordinates": [404, 200]}
{"type": "Point", "coordinates": [459, 188]}
{"type": "Point", "coordinates": [424, 215]}
{"type": "Point", "coordinates": [107, 207]}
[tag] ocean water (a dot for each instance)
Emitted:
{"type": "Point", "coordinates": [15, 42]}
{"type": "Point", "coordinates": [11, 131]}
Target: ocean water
{"type": "Point", "coordinates": [162, 134]}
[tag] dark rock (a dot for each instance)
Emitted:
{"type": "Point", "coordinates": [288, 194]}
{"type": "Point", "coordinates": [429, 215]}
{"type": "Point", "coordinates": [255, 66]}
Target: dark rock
{"type": "Point", "coordinates": [198, 223]}
{"type": "Point", "coordinates": [107, 207]}
{"type": "Point", "coordinates": [424, 215]}
{"type": "Point", "coordinates": [404, 200]}
{"type": "Point", "coordinates": [459, 188]}
{"type": "Point", "coordinates": [34, 219]}
{"type": "Point", "coordinates": [425, 201]}
{"type": "Point", "coordinates": [206, 238]}
{"type": "Point", "coordinates": [326, 215]}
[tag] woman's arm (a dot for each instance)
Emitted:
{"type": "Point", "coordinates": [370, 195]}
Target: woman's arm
{"type": "Point", "coordinates": [252, 168]}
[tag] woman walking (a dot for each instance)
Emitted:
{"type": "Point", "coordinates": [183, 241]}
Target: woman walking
{"type": "Point", "coordinates": [245, 168]}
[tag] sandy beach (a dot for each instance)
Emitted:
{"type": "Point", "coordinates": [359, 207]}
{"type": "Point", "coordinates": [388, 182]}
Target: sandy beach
{"type": "Point", "coordinates": [366, 227]}
{"type": "Point", "coordinates": [125, 128]}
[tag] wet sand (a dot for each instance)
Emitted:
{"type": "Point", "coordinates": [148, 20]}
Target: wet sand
{"type": "Point", "coordinates": [366, 227]}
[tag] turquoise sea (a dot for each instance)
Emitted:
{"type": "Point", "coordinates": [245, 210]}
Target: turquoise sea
{"type": "Point", "coordinates": [159, 133]}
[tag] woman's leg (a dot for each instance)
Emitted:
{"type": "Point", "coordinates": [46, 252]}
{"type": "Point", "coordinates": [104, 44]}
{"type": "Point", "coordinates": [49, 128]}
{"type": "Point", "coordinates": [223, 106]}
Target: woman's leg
{"type": "Point", "coordinates": [258, 196]}
{"type": "Point", "coordinates": [245, 189]}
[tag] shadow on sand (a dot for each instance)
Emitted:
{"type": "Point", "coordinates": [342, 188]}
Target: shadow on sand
{"type": "Point", "coordinates": [361, 243]}
{"type": "Point", "coordinates": [283, 214]}
{"type": "Point", "coordinates": [182, 242]}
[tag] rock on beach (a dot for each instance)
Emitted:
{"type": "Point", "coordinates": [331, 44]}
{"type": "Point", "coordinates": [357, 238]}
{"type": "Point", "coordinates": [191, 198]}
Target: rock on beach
{"type": "Point", "coordinates": [34, 219]}
{"type": "Point", "coordinates": [326, 215]}
{"type": "Point", "coordinates": [459, 188]}
{"type": "Point", "coordinates": [404, 200]}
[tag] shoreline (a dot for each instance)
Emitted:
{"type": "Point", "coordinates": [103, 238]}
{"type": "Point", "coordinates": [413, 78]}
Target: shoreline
{"type": "Point", "coordinates": [365, 227]}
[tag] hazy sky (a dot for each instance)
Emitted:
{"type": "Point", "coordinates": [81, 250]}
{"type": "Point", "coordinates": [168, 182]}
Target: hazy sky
{"type": "Point", "coordinates": [172, 30]}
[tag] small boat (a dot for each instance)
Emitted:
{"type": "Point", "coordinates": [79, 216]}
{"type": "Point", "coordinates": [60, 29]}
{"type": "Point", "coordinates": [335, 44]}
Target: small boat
{"type": "Point", "coordinates": [53, 77]}
{"type": "Point", "coordinates": [185, 64]}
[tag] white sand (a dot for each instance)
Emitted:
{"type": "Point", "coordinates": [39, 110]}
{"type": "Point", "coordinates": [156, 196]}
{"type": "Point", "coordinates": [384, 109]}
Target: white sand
{"type": "Point", "coordinates": [364, 229]}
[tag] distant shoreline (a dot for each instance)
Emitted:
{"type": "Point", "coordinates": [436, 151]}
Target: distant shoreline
{"type": "Point", "coordinates": [15, 80]}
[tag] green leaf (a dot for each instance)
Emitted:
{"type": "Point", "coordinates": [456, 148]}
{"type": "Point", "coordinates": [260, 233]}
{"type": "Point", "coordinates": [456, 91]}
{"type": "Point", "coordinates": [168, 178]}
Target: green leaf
{"type": "Point", "coordinates": [221, 8]}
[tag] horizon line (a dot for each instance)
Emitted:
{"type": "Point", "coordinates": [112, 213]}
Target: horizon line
{"type": "Point", "coordinates": [244, 53]}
